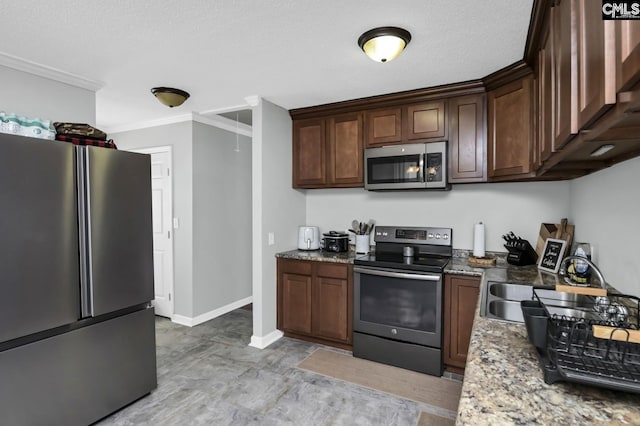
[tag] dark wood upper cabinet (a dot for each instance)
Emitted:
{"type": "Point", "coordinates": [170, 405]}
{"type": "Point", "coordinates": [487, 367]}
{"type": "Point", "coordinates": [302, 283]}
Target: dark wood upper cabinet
{"type": "Point", "coordinates": [564, 80]}
{"type": "Point", "coordinates": [309, 153]}
{"type": "Point", "coordinates": [585, 92]}
{"type": "Point", "coordinates": [346, 151]}
{"type": "Point", "coordinates": [545, 87]}
{"type": "Point", "coordinates": [328, 152]}
{"type": "Point", "coordinates": [596, 62]}
{"type": "Point", "coordinates": [467, 139]}
{"type": "Point", "coordinates": [384, 126]}
{"type": "Point", "coordinates": [510, 129]}
{"type": "Point", "coordinates": [426, 121]}
{"type": "Point", "coordinates": [628, 51]}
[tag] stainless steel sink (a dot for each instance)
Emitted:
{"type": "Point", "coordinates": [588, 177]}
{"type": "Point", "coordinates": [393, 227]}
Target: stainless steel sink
{"type": "Point", "coordinates": [502, 300]}
{"type": "Point", "coordinates": [575, 313]}
{"type": "Point", "coordinates": [570, 300]}
{"type": "Point", "coordinates": [509, 291]}
{"type": "Point", "coordinates": [506, 310]}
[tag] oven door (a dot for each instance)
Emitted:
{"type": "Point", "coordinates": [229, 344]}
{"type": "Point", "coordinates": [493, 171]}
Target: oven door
{"type": "Point", "coordinates": [398, 305]}
{"type": "Point", "coordinates": [395, 167]}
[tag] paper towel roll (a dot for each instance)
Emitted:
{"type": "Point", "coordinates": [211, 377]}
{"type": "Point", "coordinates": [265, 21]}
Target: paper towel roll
{"type": "Point", "coordinates": [478, 239]}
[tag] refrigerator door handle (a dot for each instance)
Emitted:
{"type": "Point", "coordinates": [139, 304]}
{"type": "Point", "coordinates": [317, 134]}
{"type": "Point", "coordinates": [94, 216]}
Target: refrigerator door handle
{"type": "Point", "coordinates": [86, 305]}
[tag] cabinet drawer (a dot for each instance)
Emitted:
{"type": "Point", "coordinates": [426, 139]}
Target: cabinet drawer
{"type": "Point", "coordinates": [332, 270]}
{"type": "Point", "coordinates": [292, 266]}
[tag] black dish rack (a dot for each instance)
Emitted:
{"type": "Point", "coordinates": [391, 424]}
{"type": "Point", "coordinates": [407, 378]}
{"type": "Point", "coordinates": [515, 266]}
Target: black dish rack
{"type": "Point", "coordinates": [562, 331]}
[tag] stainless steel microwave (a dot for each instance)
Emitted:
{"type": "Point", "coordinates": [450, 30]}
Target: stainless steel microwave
{"type": "Point", "coordinates": [414, 166]}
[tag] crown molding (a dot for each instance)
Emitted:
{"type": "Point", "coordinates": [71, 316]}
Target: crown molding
{"type": "Point", "coordinates": [225, 124]}
{"type": "Point", "coordinates": [219, 122]}
{"type": "Point", "coordinates": [391, 100]}
{"type": "Point", "coordinates": [51, 73]}
{"type": "Point", "coordinates": [149, 123]}
{"type": "Point", "coordinates": [253, 100]}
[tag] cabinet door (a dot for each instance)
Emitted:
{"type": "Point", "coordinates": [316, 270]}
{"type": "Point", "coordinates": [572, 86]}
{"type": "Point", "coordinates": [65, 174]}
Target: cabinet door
{"type": "Point", "coordinates": [296, 303]}
{"type": "Point", "coordinates": [628, 51]}
{"type": "Point", "coordinates": [346, 152]}
{"type": "Point", "coordinates": [596, 62]}
{"type": "Point", "coordinates": [427, 121]}
{"type": "Point", "coordinates": [384, 126]}
{"type": "Point", "coordinates": [330, 309]}
{"type": "Point", "coordinates": [331, 302]}
{"type": "Point", "coordinates": [460, 298]}
{"type": "Point", "coordinates": [546, 86]}
{"type": "Point", "coordinates": [510, 129]}
{"type": "Point", "coordinates": [309, 151]}
{"type": "Point", "coordinates": [467, 141]}
{"type": "Point", "coordinates": [563, 35]}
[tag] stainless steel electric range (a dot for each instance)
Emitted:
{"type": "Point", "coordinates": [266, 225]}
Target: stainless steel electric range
{"type": "Point", "coordinates": [398, 298]}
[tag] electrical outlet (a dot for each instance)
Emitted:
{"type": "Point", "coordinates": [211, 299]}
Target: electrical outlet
{"type": "Point", "coordinates": [272, 238]}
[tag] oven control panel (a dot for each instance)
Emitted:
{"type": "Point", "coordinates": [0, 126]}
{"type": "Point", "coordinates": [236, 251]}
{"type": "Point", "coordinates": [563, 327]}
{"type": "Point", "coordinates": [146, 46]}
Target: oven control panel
{"type": "Point", "coordinates": [414, 235]}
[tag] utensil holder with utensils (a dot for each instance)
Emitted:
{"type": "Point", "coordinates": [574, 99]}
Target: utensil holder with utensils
{"type": "Point", "coordinates": [362, 231]}
{"type": "Point", "coordinates": [362, 244]}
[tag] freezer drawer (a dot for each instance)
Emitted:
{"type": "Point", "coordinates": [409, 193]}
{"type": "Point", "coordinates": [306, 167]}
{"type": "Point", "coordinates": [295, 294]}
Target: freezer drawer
{"type": "Point", "coordinates": [39, 274]}
{"type": "Point", "coordinates": [116, 199]}
{"type": "Point", "coordinates": [77, 378]}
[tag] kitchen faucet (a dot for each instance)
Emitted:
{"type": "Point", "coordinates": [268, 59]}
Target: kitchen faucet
{"type": "Point", "coordinates": [594, 268]}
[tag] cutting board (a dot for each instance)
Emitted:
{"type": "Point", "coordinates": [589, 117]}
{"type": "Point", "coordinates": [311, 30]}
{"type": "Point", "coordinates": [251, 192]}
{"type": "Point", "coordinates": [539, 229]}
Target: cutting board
{"type": "Point", "coordinates": [549, 230]}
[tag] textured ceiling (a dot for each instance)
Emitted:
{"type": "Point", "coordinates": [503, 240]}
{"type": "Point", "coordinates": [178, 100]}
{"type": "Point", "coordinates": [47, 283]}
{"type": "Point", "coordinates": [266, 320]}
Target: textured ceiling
{"type": "Point", "coordinates": [294, 53]}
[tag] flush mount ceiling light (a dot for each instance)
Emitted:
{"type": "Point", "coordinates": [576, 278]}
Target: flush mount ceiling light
{"type": "Point", "coordinates": [169, 96]}
{"type": "Point", "coordinates": [385, 43]}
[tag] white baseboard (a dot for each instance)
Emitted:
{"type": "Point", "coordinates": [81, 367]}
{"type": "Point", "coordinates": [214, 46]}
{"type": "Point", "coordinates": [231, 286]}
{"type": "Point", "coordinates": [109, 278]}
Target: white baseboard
{"type": "Point", "coordinates": [193, 321]}
{"type": "Point", "coordinates": [263, 342]}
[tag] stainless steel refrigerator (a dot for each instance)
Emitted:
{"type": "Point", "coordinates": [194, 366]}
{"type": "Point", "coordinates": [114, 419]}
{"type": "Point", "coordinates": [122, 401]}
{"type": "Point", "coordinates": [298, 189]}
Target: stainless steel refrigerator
{"type": "Point", "coordinates": [77, 336]}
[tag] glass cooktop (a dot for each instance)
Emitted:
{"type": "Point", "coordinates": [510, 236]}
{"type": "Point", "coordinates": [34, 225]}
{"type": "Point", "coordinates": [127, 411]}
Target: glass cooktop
{"type": "Point", "coordinates": [425, 263]}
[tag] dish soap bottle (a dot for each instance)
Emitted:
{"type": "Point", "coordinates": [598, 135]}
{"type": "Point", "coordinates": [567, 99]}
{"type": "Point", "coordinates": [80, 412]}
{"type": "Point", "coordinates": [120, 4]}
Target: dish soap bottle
{"type": "Point", "coordinates": [579, 271]}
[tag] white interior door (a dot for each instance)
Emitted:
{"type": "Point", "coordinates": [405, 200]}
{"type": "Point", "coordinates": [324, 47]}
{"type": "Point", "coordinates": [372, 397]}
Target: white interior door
{"type": "Point", "coordinates": [161, 184]}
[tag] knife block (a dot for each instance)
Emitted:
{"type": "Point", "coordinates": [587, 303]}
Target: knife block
{"type": "Point", "coordinates": [521, 253]}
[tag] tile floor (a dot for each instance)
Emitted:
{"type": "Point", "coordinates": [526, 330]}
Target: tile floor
{"type": "Point", "coordinates": [208, 375]}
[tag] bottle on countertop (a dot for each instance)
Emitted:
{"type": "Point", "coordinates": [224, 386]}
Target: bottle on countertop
{"type": "Point", "coordinates": [579, 271]}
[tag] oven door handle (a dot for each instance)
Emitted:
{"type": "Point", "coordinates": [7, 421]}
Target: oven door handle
{"type": "Point", "coordinates": [391, 274]}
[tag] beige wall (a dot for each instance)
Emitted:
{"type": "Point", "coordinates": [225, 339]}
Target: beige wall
{"type": "Point", "coordinates": [605, 207]}
{"type": "Point", "coordinates": [179, 137]}
{"type": "Point", "coordinates": [221, 218]}
{"type": "Point", "coordinates": [518, 207]}
{"type": "Point", "coordinates": [38, 97]}
{"type": "Point", "coordinates": [277, 208]}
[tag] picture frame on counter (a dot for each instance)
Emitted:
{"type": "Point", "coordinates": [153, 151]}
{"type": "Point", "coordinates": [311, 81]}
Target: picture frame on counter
{"type": "Point", "coordinates": [552, 255]}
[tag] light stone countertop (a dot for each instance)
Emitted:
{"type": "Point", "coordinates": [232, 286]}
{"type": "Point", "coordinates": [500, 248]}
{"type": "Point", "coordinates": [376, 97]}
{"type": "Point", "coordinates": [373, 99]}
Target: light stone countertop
{"type": "Point", "coordinates": [318, 256]}
{"type": "Point", "coordinates": [503, 381]}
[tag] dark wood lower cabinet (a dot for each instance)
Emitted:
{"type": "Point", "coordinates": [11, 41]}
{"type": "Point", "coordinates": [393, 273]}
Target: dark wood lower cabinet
{"type": "Point", "coordinates": [296, 291]}
{"type": "Point", "coordinates": [315, 301]}
{"type": "Point", "coordinates": [460, 300]}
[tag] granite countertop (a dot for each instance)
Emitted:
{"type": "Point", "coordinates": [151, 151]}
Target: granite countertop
{"type": "Point", "coordinates": [318, 256]}
{"type": "Point", "coordinates": [503, 381]}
